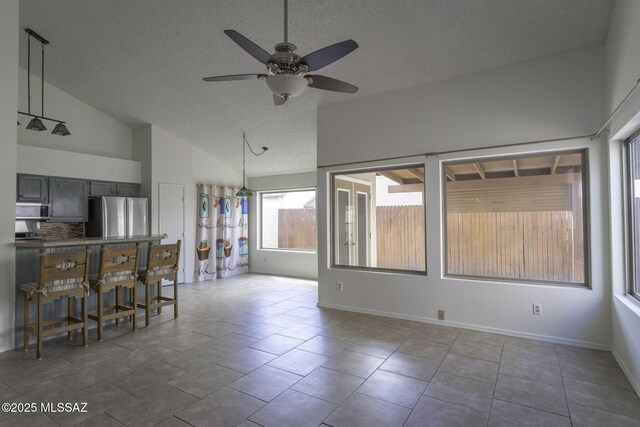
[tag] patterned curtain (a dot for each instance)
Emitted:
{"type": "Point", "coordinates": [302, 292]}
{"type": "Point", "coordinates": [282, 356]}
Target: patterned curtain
{"type": "Point", "coordinates": [222, 245]}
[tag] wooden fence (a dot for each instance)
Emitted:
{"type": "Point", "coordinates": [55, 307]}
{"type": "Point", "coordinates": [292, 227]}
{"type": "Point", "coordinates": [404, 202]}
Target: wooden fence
{"type": "Point", "coordinates": [526, 245]}
{"type": "Point", "coordinates": [400, 237]}
{"type": "Point", "coordinates": [531, 245]}
{"type": "Point", "coordinates": [297, 228]}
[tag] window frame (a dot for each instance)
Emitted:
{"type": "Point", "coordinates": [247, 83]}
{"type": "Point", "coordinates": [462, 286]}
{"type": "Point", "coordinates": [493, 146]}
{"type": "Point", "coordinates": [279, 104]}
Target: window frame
{"type": "Point", "coordinates": [261, 225]}
{"type": "Point", "coordinates": [633, 253]}
{"type": "Point", "coordinates": [333, 219]}
{"type": "Point", "coordinates": [586, 220]}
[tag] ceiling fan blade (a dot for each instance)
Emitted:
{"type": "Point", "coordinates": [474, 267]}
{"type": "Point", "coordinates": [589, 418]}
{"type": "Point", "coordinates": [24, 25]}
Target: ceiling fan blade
{"type": "Point", "coordinates": [250, 47]}
{"type": "Point", "coordinates": [278, 100]}
{"type": "Point", "coordinates": [233, 77]}
{"type": "Point", "coordinates": [327, 55]}
{"type": "Point", "coordinates": [327, 83]}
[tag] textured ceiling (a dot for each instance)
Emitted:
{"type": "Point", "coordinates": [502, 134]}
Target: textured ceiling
{"type": "Point", "coordinates": [141, 61]}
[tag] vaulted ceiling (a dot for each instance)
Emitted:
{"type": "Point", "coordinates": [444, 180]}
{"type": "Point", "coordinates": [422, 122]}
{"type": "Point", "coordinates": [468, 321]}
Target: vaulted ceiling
{"type": "Point", "coordinates": [142, 61]}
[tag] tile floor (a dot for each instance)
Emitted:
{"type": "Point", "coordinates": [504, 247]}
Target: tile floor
{"type": "Point", "coordinates": [255, 350]}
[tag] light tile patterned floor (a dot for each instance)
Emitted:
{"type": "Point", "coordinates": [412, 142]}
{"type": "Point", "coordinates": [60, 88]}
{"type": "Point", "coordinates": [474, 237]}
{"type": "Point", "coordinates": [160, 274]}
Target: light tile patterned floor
{"type": "Point", "coordinates": [255, 350]}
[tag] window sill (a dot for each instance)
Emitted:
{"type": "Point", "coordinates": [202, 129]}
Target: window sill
{"type": "Point", "coordinates": [292, 251]}
{"type": "Point", "coordinates": [630, 302]}
{"type": "Point", "coordinates": [379, 270]}
{"type": "Point", "coordinates": [516, 282]}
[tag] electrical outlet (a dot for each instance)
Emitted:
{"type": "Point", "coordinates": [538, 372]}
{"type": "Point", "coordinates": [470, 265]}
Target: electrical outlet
{"type": "Point", "coordinates": [440, 314]}
{"type": "Point", "coordinates": [340, 286]}
{"type": "Point", "coordinates": [537, 309]}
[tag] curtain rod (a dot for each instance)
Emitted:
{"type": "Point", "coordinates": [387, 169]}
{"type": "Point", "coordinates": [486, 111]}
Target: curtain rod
{"type": "Point", "coordinates": [594, 135]}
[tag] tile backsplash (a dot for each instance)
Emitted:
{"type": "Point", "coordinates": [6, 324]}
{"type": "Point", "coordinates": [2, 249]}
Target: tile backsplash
{"type": "Point", "coordinates": [61, 230]}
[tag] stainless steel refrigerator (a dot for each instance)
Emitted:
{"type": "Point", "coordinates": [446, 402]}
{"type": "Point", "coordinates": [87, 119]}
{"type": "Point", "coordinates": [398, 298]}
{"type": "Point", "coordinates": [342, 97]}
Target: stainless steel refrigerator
{"type": "Point", "coordinates": [118, 217]}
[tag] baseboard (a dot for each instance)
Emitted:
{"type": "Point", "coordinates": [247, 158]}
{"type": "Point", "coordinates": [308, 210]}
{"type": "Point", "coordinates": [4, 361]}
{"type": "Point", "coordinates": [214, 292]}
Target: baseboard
{"type": "Point", "coordinates": [627, 372]}
{"type": "Point", "coordinates": [266, 273]}
{"type": "Point", "coordinates": [519, 334]}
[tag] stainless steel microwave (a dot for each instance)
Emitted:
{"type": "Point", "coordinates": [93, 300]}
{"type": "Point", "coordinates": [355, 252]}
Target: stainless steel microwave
{"type": "Point", "coordinates": [32, 211]}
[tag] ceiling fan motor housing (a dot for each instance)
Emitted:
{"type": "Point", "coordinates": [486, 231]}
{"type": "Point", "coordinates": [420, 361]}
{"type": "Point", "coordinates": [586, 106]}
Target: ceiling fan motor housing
{"type": "Point", "coordinates": [286, 61]}
{"type": "Point", "coordinates": [286, 72]}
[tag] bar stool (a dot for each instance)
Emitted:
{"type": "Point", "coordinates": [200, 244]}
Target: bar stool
{"type": "Point", "coordinates": [162, 263]}
{"type": "Point", "coordinates": [62, 274]}
{"type": "Point", "coordinates": [118, 270]}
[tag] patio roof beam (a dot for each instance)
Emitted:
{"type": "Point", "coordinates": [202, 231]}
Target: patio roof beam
{"type": "Point", "coordinates": [480, 170]}
{"type": "Point", "coordinates": [554, 165]}
{"type": "Point", "coordinates": [417, 174]}
{"type": "Point", "coordinates": [450, 175]}
{"type": "Point", "coordinates": [392, 176]}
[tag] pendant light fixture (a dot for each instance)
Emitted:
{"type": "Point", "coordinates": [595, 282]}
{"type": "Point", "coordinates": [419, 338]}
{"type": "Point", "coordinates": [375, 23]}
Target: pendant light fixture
{"type": "Point", "coordinates": [36, 122]}
{"type": "Point", "coordinates": [244, 191]}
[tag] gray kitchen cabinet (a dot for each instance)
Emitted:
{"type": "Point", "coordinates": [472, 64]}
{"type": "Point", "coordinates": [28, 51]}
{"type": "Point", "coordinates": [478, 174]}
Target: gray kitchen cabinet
{"type": "Point", "coordinates": [32, 189]}
{"type": "Point", "coordinates": [125, 189]}
{"type": "Point", "coordinates": [102, 188]}
{"type": "Point", "coordinates": [69, 199]}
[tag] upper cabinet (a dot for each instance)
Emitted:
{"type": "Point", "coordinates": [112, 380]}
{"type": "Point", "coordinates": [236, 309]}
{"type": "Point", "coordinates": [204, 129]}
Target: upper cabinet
{"type": "Point", "coordinates": [32, 189]}
{"type": "Point", "coordinates": [107, 188]}
{"type": "Point", "coordinates": [128, 190]}
{"type": "Point", "coordinates": [102, 188]}
{"type": "Point", "coordinates": [69, 199]}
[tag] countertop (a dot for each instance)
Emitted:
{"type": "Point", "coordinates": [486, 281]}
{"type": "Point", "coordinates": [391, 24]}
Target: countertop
{"type": "Point", "coordinates": [85, 241]}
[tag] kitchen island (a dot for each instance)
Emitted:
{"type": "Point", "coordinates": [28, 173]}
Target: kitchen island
{"type": "Point", "coordinates": [28, 267]}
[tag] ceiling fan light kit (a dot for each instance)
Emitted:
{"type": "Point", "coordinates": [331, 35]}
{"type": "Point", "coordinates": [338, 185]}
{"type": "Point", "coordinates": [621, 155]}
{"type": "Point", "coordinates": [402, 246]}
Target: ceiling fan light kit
{"type": "Point", "coordinates": [286, 71]}
{"type": "Point", "coordinates": [36, 122]}
{"type": "Point", "coordinates": [287, 85]}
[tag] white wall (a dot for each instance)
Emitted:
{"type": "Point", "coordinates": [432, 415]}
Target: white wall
{"type": "Point", "coordinates": [45, 161]}
{"type": "Point", "coordinates": [175, 161]}
{"type": "Point", "coordinates": [92, 132]}
{"type": "Point", "coordinates": [9, 31]}
{"type": "Point", "coordinates": [622, 72]}
{"type": "Point", "coordinates": [208, 170]}
{"type": "Point", "coordinates": [278, 262]}
{"type": "Point", "coordinates": [558, 96]}
{"type": "Point", "coordinates": [142, 153]}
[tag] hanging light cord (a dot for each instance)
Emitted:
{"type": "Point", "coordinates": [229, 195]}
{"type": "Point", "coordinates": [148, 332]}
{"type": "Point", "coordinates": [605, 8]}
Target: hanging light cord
{"type": "Point", "coordinates": [42, 80]}
{"type": "Point", "coordinates": [29, 75]}
{"type": "Point", "coordinates": [244, 139]}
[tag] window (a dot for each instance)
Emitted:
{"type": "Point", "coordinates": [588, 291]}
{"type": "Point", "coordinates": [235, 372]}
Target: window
{"type": "Point", "coordinates": [378, 219]}
{"type": "Point", "coordinates": [633, 189]}
{"type": "Point", "coordinates": [517, 218]}
{"type": "Point", "coordinates": [288, 220]}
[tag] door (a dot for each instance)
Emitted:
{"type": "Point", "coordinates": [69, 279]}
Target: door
{"type": "Point", "coordinates": [125, 189]}
{"type": "Point", "coordinates": [353, 220]}
{"type": "Point", "coordinates": [69, 199]}
{"type": "Point", "coordinates": [137, 216]}
{"type": "Point", "coordinates": [171, 218]}
{"type": "Point", "coordinates": [32, 188]}
{"type": "Point", "coordinates": [362, 232]}
{"type": "Point", "coordinates": [102, 188]}
{"type": "Point", "coordinates": [114, 221]}
{"type": "Point", "coordinates": [344, 220]}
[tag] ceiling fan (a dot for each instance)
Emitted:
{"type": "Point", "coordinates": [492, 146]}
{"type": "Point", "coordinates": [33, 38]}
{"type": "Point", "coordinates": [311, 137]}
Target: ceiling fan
{"type": "Point", "coordinates": [286, 71]}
